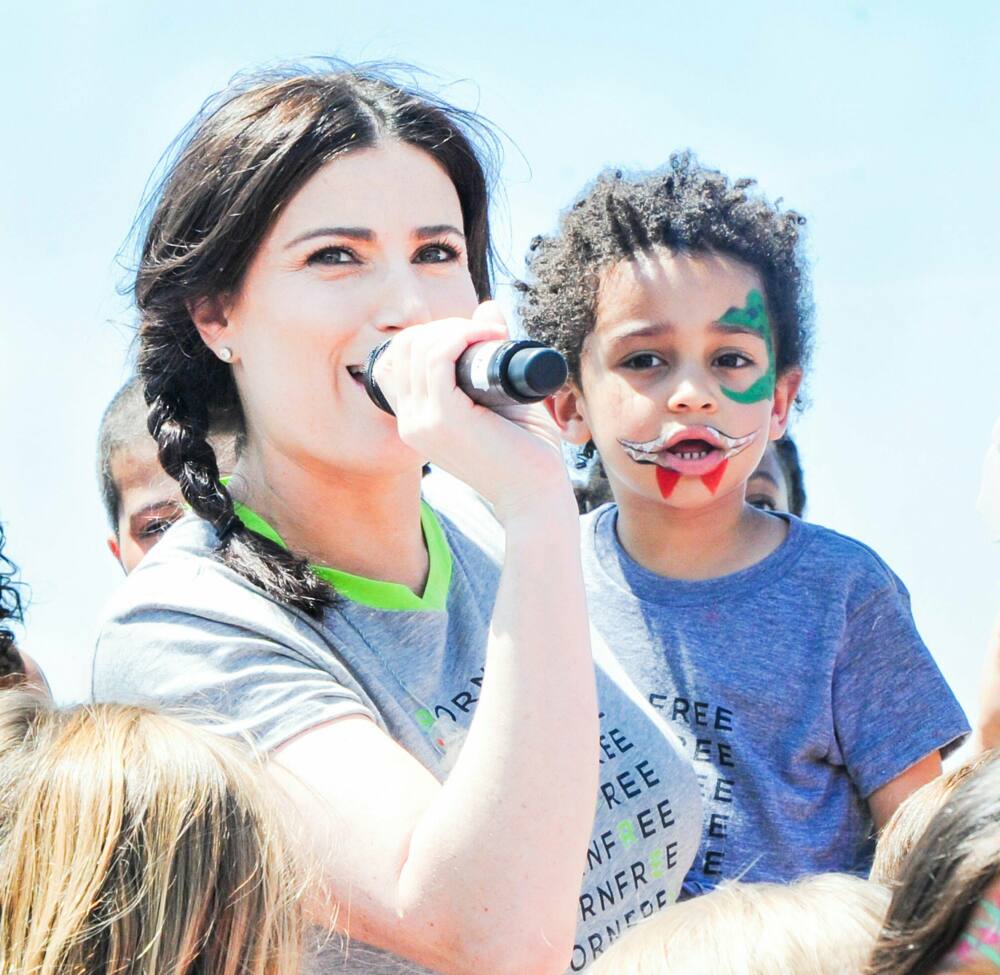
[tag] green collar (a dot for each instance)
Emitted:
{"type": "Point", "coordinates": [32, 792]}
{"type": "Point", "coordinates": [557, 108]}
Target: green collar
{"type": "Point", "coordinates": [374, 592]}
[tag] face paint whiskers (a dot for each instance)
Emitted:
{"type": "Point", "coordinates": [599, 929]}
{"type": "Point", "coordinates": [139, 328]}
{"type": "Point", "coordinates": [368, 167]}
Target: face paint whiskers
{"type": "Point", "coordinates": [688, 451]}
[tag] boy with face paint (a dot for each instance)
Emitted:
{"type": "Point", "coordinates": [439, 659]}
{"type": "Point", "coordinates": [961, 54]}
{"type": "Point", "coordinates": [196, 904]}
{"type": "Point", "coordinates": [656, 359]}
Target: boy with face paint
{"type": "Point", "coordinates": [785, 654]}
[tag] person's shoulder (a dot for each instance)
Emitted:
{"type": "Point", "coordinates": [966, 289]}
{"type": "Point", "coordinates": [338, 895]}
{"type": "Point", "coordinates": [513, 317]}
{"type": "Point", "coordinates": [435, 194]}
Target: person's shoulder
{"type": "Point", "coordinates": [473, 533]}
{"type": "Point", "coordinates": [597, 519]}
{"type": "Point", "coordinates": [839, 558]}
{"type": "Point", "coordinates": [180, 571]}
{"type": "Point", "coordinates": [181, 579]}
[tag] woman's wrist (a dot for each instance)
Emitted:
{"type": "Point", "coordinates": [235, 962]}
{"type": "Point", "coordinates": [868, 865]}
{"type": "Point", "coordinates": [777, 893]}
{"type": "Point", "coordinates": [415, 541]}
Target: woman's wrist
{"type": "Point", "coordinates": [539, 502]}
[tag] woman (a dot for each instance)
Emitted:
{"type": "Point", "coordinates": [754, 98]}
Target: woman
{"type": "Point", "coordinates": [131, 842]}
{"type": "Point", "coordinates": [317, 604]}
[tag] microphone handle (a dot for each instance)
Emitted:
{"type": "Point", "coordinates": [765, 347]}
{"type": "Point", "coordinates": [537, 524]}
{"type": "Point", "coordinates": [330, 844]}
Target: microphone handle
{"type": "Point", "coordinates": [493, 374]}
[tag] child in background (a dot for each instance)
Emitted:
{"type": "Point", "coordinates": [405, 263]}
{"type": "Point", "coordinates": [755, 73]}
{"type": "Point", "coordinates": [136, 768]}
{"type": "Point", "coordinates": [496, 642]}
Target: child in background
{"type": "Point", "coordinates": [777, 484]}
{"type": "Point", "coordinates": [945, 910]}
{"type": "Point", "coordinates": [910, 821]}
{"type": "Point", "coordinates": [785, 654]}
{"type": "Point", "coordinates": [821, 925]}
{"type": "Point", "coordinates": [142, 501]}
{"type": "Point", "coordinates": [16, 667]}
{"type": "Point", "coordinates": [134, 842]}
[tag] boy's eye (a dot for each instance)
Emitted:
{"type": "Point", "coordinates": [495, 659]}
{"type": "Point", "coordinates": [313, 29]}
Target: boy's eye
{"type": "Point", "coordinates": [643, 360]}
{"type": "Point", "coordinates": [439, 253]}
{"type": "Point", "coordinates": [328, 256]}
{"type": "Point", "coordinates": [733, 360]}
{"type": "Point", "coordinates": [156, 527]}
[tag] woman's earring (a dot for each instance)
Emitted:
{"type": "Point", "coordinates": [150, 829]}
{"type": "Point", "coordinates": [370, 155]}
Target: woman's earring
{"type": "Point", "coordinates": [225, 353]}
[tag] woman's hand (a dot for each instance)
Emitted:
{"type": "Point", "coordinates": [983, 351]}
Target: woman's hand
{"type": "Point", "coordinates": [510, 457]}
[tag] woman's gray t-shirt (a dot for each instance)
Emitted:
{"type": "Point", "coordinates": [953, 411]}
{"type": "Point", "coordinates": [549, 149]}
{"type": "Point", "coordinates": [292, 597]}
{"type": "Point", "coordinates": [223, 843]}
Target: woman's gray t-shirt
{"type": "Point", "coordinates": [186, 632]}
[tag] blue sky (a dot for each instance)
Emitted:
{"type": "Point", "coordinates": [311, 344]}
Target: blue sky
{"type": "Point", "coordinates": [876, 120]}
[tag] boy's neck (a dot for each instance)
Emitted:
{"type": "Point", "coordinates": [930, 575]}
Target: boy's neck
{"type": "Point", "coordinates": [722, 537]}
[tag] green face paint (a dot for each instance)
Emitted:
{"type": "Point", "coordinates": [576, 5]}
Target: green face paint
{"type": "Point", "coordinates": [754, 317]}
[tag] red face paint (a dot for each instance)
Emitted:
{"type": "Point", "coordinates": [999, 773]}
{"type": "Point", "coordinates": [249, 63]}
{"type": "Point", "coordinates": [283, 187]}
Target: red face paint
{"type": "Point", "coordinates": [712, 478]}
{"type": "Point", "coordinates": [666, 481]}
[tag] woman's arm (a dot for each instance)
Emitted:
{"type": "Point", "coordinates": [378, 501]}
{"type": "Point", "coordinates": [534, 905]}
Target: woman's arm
{"type": "Point", "coordinates": [481, 874]}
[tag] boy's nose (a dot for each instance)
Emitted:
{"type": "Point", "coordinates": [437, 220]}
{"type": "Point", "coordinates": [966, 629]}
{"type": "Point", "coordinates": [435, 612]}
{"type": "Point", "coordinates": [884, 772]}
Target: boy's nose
{"type": "Point", "coordinates": [691, 395]}
{"type": "Point", "coordinates": [401, 301]}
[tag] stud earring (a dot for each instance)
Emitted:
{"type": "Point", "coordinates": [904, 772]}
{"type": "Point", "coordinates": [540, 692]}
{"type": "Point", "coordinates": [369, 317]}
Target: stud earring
{"type": "Point", "coordinates": [225, 353]}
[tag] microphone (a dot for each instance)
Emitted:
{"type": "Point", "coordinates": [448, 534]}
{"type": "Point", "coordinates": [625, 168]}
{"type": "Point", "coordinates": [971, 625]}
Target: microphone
{"type": "Point", "coordinates": [492, 374]}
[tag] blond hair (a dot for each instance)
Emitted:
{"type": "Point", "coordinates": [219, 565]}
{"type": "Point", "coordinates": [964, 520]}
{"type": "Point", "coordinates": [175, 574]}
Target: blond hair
{"type": "Point", "coordinates": [911, 819]}
{"type": "Point", "coordinates": [132, 843]}
{"type": "Point", "coordinates": [821, 925]}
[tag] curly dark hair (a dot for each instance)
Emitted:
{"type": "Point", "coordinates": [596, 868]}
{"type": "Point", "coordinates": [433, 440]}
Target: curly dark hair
{"type": "Point", "coordinates": [685, 207]}
{"type": "Point", "coordinates": [11, 608]}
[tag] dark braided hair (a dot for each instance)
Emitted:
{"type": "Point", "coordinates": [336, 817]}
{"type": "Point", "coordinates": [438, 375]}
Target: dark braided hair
{"type": "Point", "coordinates": [11, 609]}
{"type": "Point", "coordinates": [686, 208]}
{"type": "Point", "coordinates": [249, 150]}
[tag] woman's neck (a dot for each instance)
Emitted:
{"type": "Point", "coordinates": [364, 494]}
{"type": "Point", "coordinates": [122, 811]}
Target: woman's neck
{"type": "Point", "coordinates": [720, 538]}
{"type": "Point", "coordinates": [365, 524]}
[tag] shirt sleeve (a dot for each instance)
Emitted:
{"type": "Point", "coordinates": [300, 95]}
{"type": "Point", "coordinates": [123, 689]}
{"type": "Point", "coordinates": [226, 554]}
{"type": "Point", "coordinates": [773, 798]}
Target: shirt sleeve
{"type": "Point", "coordinates": [891, 704]}
{"type": "Point", "coordinates": [239, 679]}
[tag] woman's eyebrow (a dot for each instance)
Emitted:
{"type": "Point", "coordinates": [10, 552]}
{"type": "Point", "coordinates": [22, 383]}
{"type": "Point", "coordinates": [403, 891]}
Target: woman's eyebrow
{"type": "Point", "coordinates": [367, 235]}
{"type": "Point", "coordinates": [354, 233]}
{"type": "Point", "coordinates": [436, 230]}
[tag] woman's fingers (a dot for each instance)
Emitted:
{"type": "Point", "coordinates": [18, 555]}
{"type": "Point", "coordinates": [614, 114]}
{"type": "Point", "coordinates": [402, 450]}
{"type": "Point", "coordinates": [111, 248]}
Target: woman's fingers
{"type": "Point", "coordinates": [423, 357]}
{"type": "Point", "coordinates": [489, 313]}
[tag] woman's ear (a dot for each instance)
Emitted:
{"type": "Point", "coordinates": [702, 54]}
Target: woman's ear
{"type": "Point", "coordinates": [566, 408]}
{"type": "Point", "coordinates": [786, 388]}
{"type": "Point", "coordinates": [209, 317]}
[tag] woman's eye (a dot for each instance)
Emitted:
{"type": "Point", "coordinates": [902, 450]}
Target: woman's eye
{"type": "Point", "coordinates": [333, 255]}
{"type": "Point", "coordinates": [733, 360]}
{"type": "Point", "coordinates": [436, 254]}
{"type": "Point", "coordinates": [643, 360]}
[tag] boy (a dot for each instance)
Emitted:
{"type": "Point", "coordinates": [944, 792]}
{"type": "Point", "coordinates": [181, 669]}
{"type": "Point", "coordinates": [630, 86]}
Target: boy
{"type": "Point", "coordinates": [141, 500]}
{"type": "Point", "coordinates": [785, 654]}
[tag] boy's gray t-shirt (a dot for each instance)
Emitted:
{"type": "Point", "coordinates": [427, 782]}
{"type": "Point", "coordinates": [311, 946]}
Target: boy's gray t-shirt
{"type": "Point", "coordinates": [184, 631]}
{"type": "Point", "coordinates": [799, 686]}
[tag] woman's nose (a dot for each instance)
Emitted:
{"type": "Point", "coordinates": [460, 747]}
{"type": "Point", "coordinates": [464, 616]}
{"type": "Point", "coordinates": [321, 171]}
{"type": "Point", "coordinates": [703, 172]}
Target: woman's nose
{"type": "Point", "coordinates": [402, 301]}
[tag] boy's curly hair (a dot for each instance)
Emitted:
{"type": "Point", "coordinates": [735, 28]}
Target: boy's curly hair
{"type": "Point", "coordinates": [684, 207]}
{"type": "Point", "coordinates": [10, 609]}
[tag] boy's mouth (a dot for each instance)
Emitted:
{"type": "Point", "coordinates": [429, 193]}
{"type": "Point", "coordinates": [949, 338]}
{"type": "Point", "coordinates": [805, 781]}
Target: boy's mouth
{"type": "Point", "coordinates": [688, 450]}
